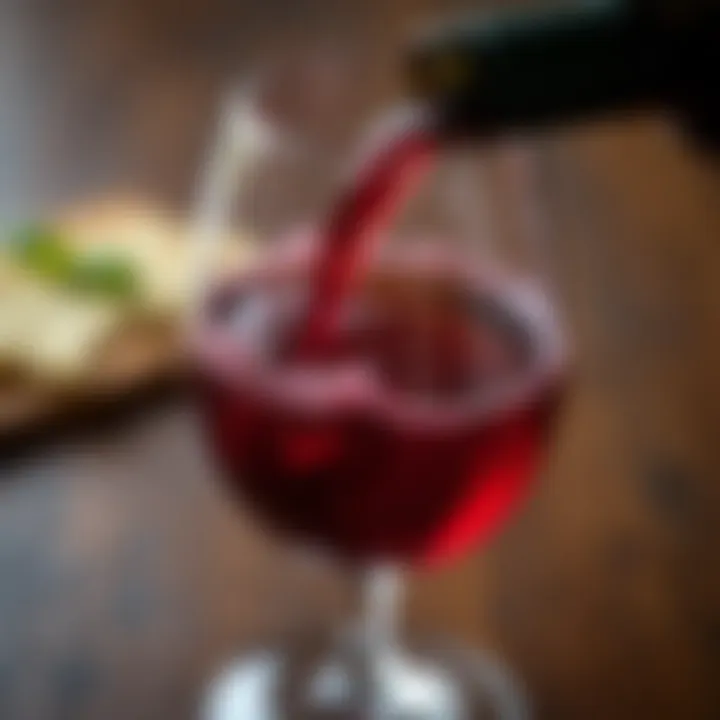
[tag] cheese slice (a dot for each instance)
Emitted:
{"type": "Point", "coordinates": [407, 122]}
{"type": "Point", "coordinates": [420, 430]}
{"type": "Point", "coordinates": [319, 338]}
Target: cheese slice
{"type": "Point", "coordinates": [51, 333]}
{"type": "Point", "coordinates": [160, 246]}
{"type": "Point", "coordinates": [75, 334]}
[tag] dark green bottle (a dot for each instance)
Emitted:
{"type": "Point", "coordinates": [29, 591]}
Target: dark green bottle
{"type": "Point", "coordinates": [523, 69]}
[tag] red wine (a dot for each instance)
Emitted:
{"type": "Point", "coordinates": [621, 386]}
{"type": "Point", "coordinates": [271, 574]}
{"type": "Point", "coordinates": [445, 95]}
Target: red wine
{"type": "Point", "coordinates": [418, 429]}
{"type": "Point", "coordinates": [375, 196]}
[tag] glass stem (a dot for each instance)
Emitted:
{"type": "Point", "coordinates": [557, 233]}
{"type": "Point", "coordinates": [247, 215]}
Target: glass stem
{"type": "Point", "coordinates": [382, 590]}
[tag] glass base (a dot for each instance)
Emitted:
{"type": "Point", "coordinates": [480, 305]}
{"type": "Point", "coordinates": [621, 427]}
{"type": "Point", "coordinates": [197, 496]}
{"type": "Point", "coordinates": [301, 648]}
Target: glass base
{"type": "Point", "coordinates": [427, 685]}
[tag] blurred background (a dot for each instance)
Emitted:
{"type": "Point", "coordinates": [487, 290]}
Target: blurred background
{"type": "Point", "coordinates": [126, 580]}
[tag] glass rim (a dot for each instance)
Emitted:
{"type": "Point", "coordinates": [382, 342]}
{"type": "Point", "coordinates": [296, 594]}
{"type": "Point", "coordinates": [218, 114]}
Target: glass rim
{"type": "Point", "coordinates": [358, 389]}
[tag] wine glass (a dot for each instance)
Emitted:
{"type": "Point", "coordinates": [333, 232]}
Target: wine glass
{"type": "Point", "coordinates": [402, 428]}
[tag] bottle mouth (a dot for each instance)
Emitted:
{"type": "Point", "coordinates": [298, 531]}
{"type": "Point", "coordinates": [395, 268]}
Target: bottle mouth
{"type": "Point", "coordinates": [354, 385]}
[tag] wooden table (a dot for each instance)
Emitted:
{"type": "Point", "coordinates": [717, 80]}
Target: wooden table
{"type": "Point", "coordinates": [125, 578]}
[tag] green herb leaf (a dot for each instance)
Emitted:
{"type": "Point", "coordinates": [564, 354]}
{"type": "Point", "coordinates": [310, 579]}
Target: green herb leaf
{"type": "Point", "coordinates": [43, 250]}
{"type": "Point", "coordinates": [106, 275]}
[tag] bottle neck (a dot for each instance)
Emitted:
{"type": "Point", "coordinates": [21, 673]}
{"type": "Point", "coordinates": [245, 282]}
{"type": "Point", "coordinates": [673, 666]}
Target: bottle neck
{"type": "Point", "coordinates": [529, 69]}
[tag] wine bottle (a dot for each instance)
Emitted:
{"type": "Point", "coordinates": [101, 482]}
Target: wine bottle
{"type": "Point", "coordinates": [523, 69]}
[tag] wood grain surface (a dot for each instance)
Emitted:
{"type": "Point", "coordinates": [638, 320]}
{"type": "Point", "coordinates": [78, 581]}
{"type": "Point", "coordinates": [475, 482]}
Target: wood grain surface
{"type": "Point", "coordinates": [126, 579]}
